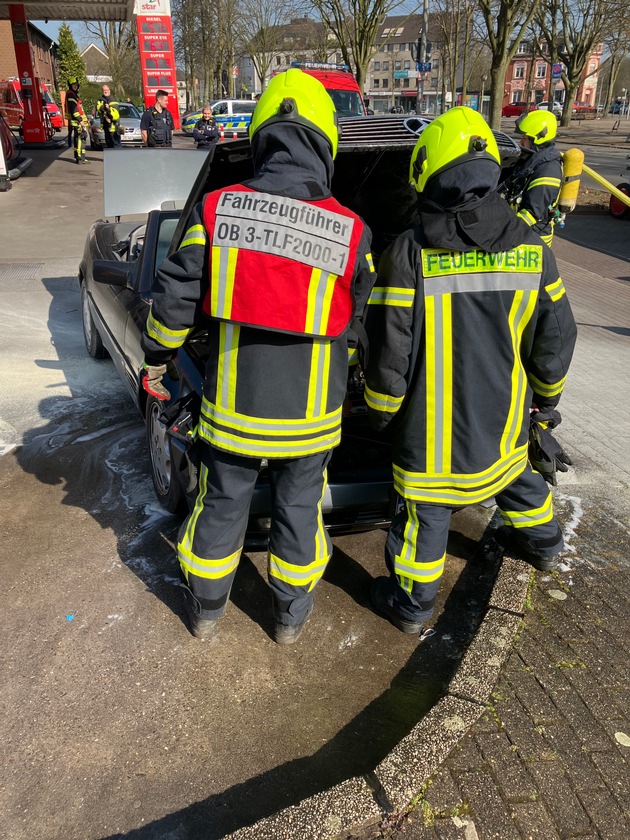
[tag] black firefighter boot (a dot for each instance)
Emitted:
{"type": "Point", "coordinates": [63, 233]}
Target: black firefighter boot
{"type": "Point", "coordinates": [201, 628]}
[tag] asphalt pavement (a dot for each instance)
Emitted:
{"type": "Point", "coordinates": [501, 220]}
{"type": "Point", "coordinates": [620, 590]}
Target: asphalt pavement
{"type": "Point", "coordinates": [117, 724]}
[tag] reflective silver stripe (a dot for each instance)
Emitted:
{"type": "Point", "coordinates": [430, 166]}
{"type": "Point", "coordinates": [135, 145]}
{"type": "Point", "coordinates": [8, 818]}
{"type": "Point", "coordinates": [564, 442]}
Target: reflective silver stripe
{"type": "Point", "coordinates": [264, 426]}
{"type": "Point", "coordinates": [388, 296]}
{"type": "Point", "coordinates": [319, 298]}
{"type": "Point", "coordinates": [529, 518]}
{"type": "Point", "coordinates": [454, 496]}
{"type": "Point", "coordinates": [267, 448]}
{"type": "Point", "coordinates": [297, 575]}
{"type": "Point", "coordinates": [486, 282]}
{"type": "Point", "coordinates": [476, 480]}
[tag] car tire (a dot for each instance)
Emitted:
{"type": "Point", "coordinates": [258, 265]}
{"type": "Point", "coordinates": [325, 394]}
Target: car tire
{"type": "Point", "coordinates": [618, 209]}
{"type": "Point", "coordinates": [165, 481]}
{"type": "Point", "coordinates": [93, 341]}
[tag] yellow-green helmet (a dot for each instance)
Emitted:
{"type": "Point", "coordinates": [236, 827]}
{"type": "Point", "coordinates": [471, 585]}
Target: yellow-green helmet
{"type": "Point", "coordinates": [114, 113]}
{"type": "Point", "coordinates": [294, 96]}
{"type": "Point", "coordinates": [457, 136]}
{"type": "Point", "coordinates": [73, 80]}
{"type": "Point", "coordinates": [540, 126]}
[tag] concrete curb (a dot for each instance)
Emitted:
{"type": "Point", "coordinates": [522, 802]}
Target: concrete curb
{"type": "Point", "coordinates": [398, 779]}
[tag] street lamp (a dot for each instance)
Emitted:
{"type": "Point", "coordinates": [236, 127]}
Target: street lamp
{"type": "Point", "coordinates": [484, 79]}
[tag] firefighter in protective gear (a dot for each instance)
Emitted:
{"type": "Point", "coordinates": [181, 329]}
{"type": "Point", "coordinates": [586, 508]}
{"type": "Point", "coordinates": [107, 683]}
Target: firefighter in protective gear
{"type": "Point", "coordinates": [77, 120]}
{"type": "Point", "coordinates": [533, 188]}
{"type": "Point", "coordinates": [468, 325]}
{"type": "Point", "coordinates": [277, 270]}
{"type": "Point", "coordinates": [107, 111]}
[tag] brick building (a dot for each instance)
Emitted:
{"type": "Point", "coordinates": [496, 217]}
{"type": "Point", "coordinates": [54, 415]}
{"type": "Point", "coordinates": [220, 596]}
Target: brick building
{"type": "Point", "coordinates": [43, 52]}
{"type": "Point", "coordinates": [528, 77]}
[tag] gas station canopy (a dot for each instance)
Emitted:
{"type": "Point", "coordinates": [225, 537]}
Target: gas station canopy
{"type": "Point", "coordinates": [74, 10]}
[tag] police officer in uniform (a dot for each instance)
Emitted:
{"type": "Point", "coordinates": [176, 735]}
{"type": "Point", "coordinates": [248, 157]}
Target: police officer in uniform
{"type": "Point", "coordinates": [77, 121]}
{"type": "Point", "coordinates": [157, 123]}
{"type": "Point", "coordinates": [206, 131]}
{"type": "Point", "coordinates": [107, 111]}
{"type": "Point", "coordinates": [277, 269]}
{"type": "Point", "coordinates": [533, 188]}
{"type": "Point", "coordinates": [469, 326]}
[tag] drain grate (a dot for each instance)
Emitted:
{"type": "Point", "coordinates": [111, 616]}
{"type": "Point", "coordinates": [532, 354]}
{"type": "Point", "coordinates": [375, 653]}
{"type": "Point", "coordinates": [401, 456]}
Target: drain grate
{"type": "Point", "coordinates": [21, 271]}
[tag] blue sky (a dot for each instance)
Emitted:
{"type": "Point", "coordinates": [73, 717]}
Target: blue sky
{"type": "Point", "coordinates": [81, 35]}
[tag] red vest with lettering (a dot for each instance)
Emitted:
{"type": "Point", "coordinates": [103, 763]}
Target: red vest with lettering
{"type": "Point", "coordinates": [280, 263]}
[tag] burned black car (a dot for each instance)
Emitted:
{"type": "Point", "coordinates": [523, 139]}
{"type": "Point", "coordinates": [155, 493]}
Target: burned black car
{"type": "Point", "coordinates": [116, 276]}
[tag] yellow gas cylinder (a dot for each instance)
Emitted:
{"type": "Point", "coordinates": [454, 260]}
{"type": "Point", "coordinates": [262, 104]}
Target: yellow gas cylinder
{"type": "Point", "coordinates": [572, 165]}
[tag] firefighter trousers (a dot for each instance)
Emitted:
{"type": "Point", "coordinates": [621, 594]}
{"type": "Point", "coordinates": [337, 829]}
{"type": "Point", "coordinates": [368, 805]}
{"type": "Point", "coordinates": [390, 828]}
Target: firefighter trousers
{"type": "Point", "coordinates": [211, 539]}
{"type": "Point", "coordinates": [415, 550]}
{"type": "Point", "coordinates": [79, 136]}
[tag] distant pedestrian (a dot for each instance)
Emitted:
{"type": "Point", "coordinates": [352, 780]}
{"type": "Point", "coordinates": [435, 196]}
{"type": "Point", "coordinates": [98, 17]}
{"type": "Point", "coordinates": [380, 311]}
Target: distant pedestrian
{"type": "Point", "coordinates": [107, 111]}
{"type": "Point", "coordinates": [77, 120]}
{"type": "Point", "coordinates": [206, 131]}
{"type": "Point", "coordinates": [157, 123]}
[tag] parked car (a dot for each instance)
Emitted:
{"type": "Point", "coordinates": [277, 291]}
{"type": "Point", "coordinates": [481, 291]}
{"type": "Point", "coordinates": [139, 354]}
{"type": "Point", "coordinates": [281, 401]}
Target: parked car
{"type": "Point", "coordinates": [556, 107]}
{"type": "Point", "coordinates": [618, 108]}
{"type": "Point", "coordinates": [116, 275]}
{"type": "Point", "coordinates": [232, 114]}
{"type": "Point", "coordinates": [516, 109]}
{"type": "Point", "coordinates": [129, 121]}
{"type": "Point", "coordinates": [12, 104]}
{"type": "Point", "coordinates": [341, 85]}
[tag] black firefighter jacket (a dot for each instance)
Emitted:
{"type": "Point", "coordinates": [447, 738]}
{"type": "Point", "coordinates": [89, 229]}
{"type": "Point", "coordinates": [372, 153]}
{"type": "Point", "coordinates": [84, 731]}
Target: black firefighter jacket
{"type": "Point", "coordinates": [266, 393]}
{"type": "Point", "coordinates": [468, 323]}
{"type": "Point", "coordinates": [536, 182]}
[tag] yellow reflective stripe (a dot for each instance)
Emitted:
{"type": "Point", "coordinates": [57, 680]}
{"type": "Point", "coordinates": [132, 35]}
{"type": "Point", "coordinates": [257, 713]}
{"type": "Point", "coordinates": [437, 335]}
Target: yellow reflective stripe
{"type": "Point", "coordinates": [521, 311]}
{"type": "Point", "coordinates": [556, 290]}
{"type": "Point", "coordinates": [222, 280]}
{"type": "Point", "coordinates": [431, 363]}
{"type": "Point", "coordinates": [447, 382]}
{"type": "Point", "coordinates": [382, 402]}
{"type": "Point", "coordinates": [546, 390]}
{"type": "Point", "coordinates": [257, 448]}
{"type": "Point", "coordinates": [229, 335]}
{"type": "Point", "coordinates": [201, 567]}
{"type": "Point", "coordinates": [353, 355]}
{"type": "Point", "coordinates": [167, 338]}
{"type": "Point", "coordinates": [527, 217]}
{"type": "Point", "coordinates": [548, 238]}
{"type": "Point", "coordinates": [370, 261]}
{"type": "Point", "coordinates": [233, 420]}
{"type": "Point", "coordinates": [323, 546]}
{"type": "Point", "coordinates": [544, 182]}
{"type": "Point", "coordinates": [320, 292]}
{"type": "Point", "coordinates": [529, 518]}
{"type": "Point", "coordinates": [454, 494]}
{"type": "Point", "coordinates": [391, 296]}
{"type": "Point", "coordinates": [318, 378]}
{"type": "Point", "coordinates": [406, 567]}
{"type": "Point", "coordinates": [296, 575]}
{"type": "Point", "coordinates": [195, 235]}
{"type": "Point", "coordinates": [186, 541]}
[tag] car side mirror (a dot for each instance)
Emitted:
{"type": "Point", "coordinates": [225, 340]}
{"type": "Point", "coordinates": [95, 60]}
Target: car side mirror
{"type": "Point", "coordinates": [114, 273]}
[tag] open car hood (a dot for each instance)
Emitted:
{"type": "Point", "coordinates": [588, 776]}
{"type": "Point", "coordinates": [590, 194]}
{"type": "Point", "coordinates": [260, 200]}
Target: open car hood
{"type": "Point", "coordinates": [135, 182]}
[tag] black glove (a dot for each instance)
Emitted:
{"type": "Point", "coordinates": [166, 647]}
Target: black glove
{"type": "Point", "coordinates": [544, 452]}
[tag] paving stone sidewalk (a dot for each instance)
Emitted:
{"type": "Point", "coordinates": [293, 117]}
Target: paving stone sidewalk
{"type": "Point", "coordinates": [550, 757]}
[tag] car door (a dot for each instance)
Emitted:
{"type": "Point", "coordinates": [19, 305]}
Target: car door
{"type": "Point", "coordinates": [160, 229]}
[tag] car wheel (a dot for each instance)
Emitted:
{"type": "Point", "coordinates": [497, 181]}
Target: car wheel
{"type": "Point", "coordinates": [167, 487]}
{"type": "Point", "coordinates": [617, 208]}
{"type": "Point", "coordinates": [93, 342]}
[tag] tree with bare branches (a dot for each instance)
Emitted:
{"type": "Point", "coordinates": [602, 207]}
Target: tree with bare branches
{"type": "Point", "coordinates": [355, 24]}
{"type": "Point", "coordinates": [572, 30]}
{"type": "Point", "coordinates": [118, 41]}
{"type": "Point", "coordinates": [506, 22]}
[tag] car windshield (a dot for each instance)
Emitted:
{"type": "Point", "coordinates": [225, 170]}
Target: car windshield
{"type": "Point", "coordinates": [347, 102]}
{"type": "Point", "coordinates": [128, 111]}
{"type": "Point", "coordinates": [47, 97]}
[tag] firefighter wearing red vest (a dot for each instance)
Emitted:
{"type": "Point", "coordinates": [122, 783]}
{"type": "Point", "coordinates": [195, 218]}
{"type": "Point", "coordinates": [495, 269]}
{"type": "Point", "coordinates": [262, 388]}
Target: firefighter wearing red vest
{"type": "Point", "coordinates": [276, 269]}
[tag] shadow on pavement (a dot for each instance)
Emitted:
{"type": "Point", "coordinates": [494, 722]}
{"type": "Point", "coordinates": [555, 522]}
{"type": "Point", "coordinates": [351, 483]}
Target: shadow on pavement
{"type": "Point", "coordinates": [381, 725]}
